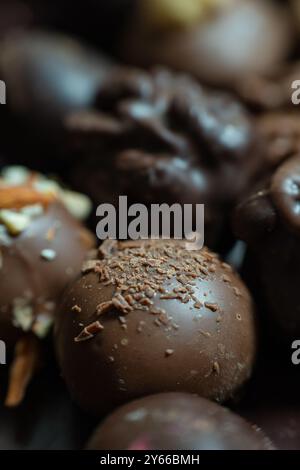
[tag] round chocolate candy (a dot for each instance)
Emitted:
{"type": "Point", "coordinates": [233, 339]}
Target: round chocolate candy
{"type": "Point", "coordinates": [176, 421]}
{"type": "Point", "coordinates": [47, 75]}
{"type": "Point", "coordinates": [268, 220]}
{"type": "Point", "coordinates": [160, 137]}
{"type": "Point", "coordinates": [151, 316]}
{"type": "Point", "coordinates": [219, 41]}
{"type": "Point", "coordinates": [42, 247]}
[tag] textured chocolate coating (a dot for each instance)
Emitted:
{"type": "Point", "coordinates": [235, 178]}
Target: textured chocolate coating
{"type": "Point", "coordinates": [176, 421]}
{"type": "Point", "coordinates": [37, 259]}
{"type": "Point", "coordinates": [161, 137]}
{"type": "Point", "coordinates": [246, 37]}
{"type": "Point", "coordinates": [26, 275]}
{"type": "Point", "coordinates": [152, 318]}
{"type": "Point", "coordinates": [47, 75]}
{"type": "Point", "coordinates": [268, 220]}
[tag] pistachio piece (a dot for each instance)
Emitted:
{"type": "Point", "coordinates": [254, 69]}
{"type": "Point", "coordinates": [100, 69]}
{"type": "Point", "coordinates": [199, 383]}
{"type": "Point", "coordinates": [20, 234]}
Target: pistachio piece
{"type": "Point", "coordinates": [15, 222]}
{"type": "Point", "coordinates": [15, 175]}
{"type": "Point", "coordinates": [33, 211]}
{"type": "Point", "coordinates": [48, 254]}
{"type": "Point", "coordinates": [165, 14]}
{"type": "Point", "coordinates": [42, 325]}
{"type": "Point", "coordinates": [22, 314]}
{"type": "Point", "coordinates": [77, 204]}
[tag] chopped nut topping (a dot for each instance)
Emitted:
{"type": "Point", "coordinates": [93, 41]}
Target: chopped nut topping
{"type": "Point", "coordinates": [89, 332]}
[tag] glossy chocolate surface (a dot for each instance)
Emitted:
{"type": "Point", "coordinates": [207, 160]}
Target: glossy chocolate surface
{"type": "Point", "coordinates": [243, 38]}
{"type": "Point", "coordinates": [160, 137]}
{"type": "Point", "coordinates": [161, 319]}
{"type": "Point", "coordinates": [176, 421]}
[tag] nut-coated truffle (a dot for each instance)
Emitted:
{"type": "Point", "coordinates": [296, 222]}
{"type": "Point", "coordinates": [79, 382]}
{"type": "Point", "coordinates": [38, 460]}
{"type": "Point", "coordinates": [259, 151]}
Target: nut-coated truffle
{"type": "Point", "coordinates": [42, 247]}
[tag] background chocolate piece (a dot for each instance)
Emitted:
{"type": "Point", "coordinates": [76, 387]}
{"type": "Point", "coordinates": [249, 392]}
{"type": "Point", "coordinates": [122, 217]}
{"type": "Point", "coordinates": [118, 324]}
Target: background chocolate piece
{"type": "Point", "coordinates": [280, 132]}
{"type": "Point", "coordinates": [278, 414]}
{"type": "Point", "coordinates": [42, 247]}
{"type": "Point", "coordinates": [161, 137]}
{"type": "Point", "coordinates": [176, 421]}
{"type": "Point", "coordinates": [269, 92]}
{"type": "Point", "coordinates": [47, 75]}
{"type": "Point", "coordinates": [248, 37]}
{"type": "Point", "coordinates": [170, 320]}
{"type": "Point", "coordinates": [268, 220]}
{"type": "Point", "coordinates": [29, 281]}
{"type": "Point", "coordinates": [47, 419]}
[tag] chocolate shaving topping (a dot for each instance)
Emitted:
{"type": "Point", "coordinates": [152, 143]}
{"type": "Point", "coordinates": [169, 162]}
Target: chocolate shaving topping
{"type": "Point", "coordinates": [142, 270]}
{"type": "Point", "coordinates": [89, 332]}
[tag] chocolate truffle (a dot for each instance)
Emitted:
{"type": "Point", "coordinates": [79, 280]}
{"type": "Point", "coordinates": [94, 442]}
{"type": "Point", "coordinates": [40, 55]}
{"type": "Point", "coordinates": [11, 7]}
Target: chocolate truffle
{"type": "Point", "coordinates": [47, 75]}
{"type": "Point", "coordinates": [160, 137]}
{"type": "Point", "coordinates": [150, 316]}
{"type": "Point", "coordinates": [176, 421]}
{"type": "Point", "coordinates": [268, 220]}
{"type": "Point", "coordinates": [218, 41]}
{"type": "Point", "coordinates": [42, 247]}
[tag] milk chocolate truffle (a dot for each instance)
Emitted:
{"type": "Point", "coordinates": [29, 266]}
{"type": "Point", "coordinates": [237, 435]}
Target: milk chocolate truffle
{"type": "Point", "coordinates": [160, 137]}
{"type": "Point", "coordinates": [268, 220]}
{"type": "Point", "coordinates": [42, 247]}
{"type": "Point", "coordinates": [176, 421]}
{"type": "Point", "coordinates": [218, 41]}
{"type": "Point", "coordinates": [47, 75]}
{"type": "Point", "coordinates": [150, 316]}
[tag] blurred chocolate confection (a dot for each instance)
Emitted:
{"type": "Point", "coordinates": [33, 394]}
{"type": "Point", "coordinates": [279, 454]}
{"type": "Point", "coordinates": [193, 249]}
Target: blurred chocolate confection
{"type": "Point", "coordinates": [219, 41]}
{"type": "Point", "coordinates": [42, 247]}
{"type": "Point", "coordinates": [47, 75]}
{"type": "Point", "coordinates": [268, 220]}
{"type": "Point", "coordinates": [151, 317]}
{"type": "Point", "coordinates": [270, 92]}
{"type": "Point", "coordinates": [278, 414]}
{"type": "Point", "coordinates": [160, 137]}
{"type": "Point", "coordinates": [176, 421]}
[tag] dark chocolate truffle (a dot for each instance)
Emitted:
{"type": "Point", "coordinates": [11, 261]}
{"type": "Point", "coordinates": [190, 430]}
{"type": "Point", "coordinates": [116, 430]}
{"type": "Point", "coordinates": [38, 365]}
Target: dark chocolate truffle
{"type": "Point", "coordinates": [269, 221]}
{"type": "Point", "coordinates": [176, 421]}
{"type": "Point", "coordinates": [47, 75]}
{"type": "Point", "coordinates": [42, 247]}
{"type": "Point", "coordinates": [150, 317]}
{"type": "Point", "coordinates": [160, 137]}
{"type": "Point", "coordinates": [218, 42]}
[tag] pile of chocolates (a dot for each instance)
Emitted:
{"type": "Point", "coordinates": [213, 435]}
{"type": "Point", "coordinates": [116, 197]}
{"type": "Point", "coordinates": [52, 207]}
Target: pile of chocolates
{"type": "Point", "coordinates": [145, 344]}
